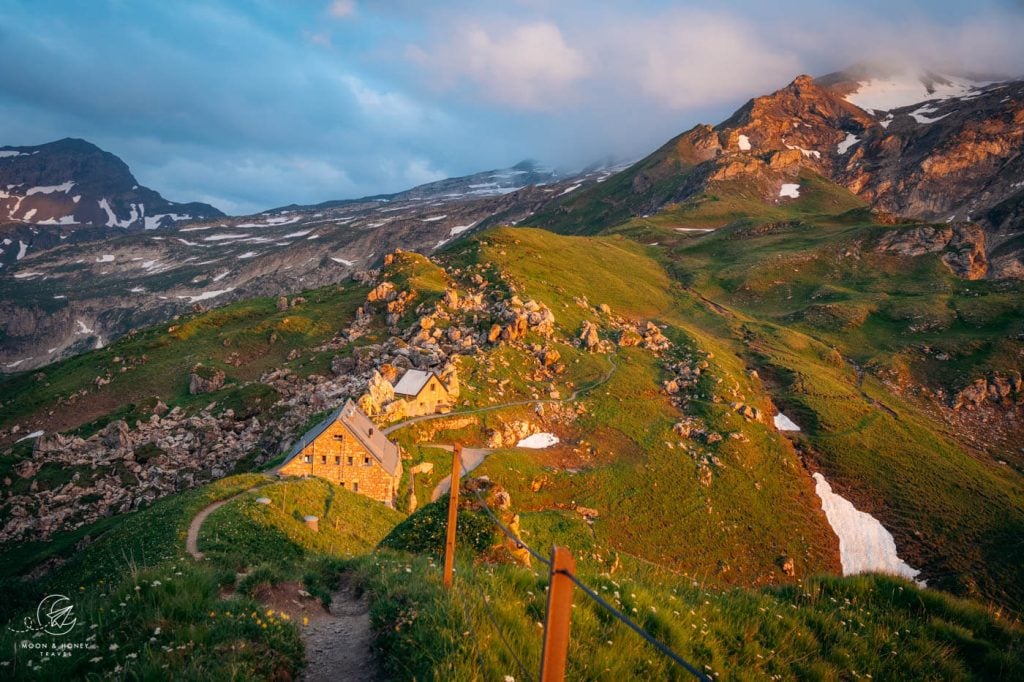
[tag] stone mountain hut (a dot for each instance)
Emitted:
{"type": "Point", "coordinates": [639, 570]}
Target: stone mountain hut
{"type": "Point", "coordinates": [423, 393]}
{"type": "Point", "coordinates": [348, 449]}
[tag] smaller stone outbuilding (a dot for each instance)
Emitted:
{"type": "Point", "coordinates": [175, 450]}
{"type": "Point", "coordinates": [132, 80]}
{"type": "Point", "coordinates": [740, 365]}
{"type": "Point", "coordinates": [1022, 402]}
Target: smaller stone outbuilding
{"type": "Point", "coordinates": [423, 392]}
{"type": "Point", "coordinates": [350, 450]}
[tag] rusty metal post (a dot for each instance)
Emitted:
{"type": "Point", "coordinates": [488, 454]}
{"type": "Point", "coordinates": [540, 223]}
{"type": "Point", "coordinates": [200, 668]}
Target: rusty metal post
{"type": "Point", "coordinates": [559, 616]}
{"type": "Point", "coordinates": [453, 514]}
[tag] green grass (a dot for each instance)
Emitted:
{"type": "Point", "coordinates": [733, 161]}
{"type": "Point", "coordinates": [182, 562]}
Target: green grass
{"type": "Point", "coordinates": [825, 628]}
{"type": "Point", "coordinates": [159, 615]}
{"type": "Point", "coordinates": [244, 533]}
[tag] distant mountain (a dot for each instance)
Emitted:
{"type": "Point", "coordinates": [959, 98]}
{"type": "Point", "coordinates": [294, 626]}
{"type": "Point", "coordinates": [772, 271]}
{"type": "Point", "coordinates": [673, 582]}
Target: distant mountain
{"type": "Point", "coordinates": [933, 148]}
{"type": "Point", "coordinates": [61, 294]}
{"type": "Point", "coordinates": [484, 184]}
{"type": "Point", "coordinates": [72, 182]}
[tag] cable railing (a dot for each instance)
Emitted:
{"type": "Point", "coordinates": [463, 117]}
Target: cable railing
{"type": "Point", "coordinates": [556, 626]}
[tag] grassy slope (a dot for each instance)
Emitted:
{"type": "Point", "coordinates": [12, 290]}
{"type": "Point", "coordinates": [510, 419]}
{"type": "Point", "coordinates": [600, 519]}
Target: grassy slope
{"type": "Point", "coordinates": [811, 299]}
{"type": "Point", "coordinates": [759, 497]}
{"type": "Point", "coordinates": [827, 628]}
{"type": "Point", "coordinates": [167, 614]}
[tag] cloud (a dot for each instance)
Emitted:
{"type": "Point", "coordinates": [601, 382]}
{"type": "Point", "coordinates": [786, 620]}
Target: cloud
{"type": "Point", "coordinates": [688, 60]}
{"type": "Point", "coordinates": [527, 66]}
{"type": "Point", "coordinates": [342, 9]}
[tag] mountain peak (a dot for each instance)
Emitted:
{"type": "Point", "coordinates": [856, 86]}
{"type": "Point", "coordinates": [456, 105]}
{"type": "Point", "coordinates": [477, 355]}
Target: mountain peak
{"type": "Point", "coordinates": [72, 181]}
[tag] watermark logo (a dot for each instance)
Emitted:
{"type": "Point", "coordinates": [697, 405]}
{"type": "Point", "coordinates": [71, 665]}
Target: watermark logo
{"type": "Point", "coordinates": [55, 616]}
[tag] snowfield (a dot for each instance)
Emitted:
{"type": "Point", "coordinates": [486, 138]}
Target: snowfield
{"type": "Point", "coordinates": [865, 546]}
{"type": "Point", "coordinates": [790, 190]}
{"type": "Point", "coordinates": [538, 441]}
{"type": "Point", "coordinates": [885, 94]}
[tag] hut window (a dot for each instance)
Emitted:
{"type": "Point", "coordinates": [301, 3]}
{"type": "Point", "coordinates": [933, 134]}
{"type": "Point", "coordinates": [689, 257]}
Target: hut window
{"type": "Point", "coordinates": [308, 459]}
{"type": "Point", "coordinates": [366, 461]}
{"type": "Point", "coordinates": [323, 459]}
{"type": "Point", "coordinates": [350, 461]}
{"type": "Point", "coordinates": [355, 487]}
{"type": "Point", "coordinates": [370, 431]}
{"type": "Point", "coordinates": [337, 460]}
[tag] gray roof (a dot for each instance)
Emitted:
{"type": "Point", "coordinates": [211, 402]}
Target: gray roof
{"type": "Point", "coordinates": [360, 426]}
{"type": "Point", "coordinates": [412, 382]}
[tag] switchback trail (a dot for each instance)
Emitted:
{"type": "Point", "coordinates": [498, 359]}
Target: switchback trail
{"type": "Point", "coordinates": [471, 459]}
{"type": "Point", "coordinates": [192, 539]}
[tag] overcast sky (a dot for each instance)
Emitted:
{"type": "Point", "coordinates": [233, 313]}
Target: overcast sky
{"type": "Point", "coordinates": [251, 104]}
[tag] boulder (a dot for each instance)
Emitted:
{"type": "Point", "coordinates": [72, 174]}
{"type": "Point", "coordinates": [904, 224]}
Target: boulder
{"type": "Point", "coordinates": [205, 380]}
{"type": "Point", "coordinates": [588, 335]}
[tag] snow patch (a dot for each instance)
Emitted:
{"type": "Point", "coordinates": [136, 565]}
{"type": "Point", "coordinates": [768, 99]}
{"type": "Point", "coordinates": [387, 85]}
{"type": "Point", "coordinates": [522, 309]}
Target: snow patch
{"type": "Point", "coordinates": [9, 153]}
{"type": "Point", "coordinates": [221, 276]}
{"type": "Point", "coordinates": [248, 254]}
{"type": "Point", "coordinates": [744, 143]}
{"type": "Point", "coordinates": [22, 250]}
{"type": "Point", "coordinates": [153, 222]}
{"type": "Point", "coordinates": [34, 434]}
{"type": "Point", "coordinates": [538, 441]}
{"type": "Point", "coordinates": [808, 153]}
{"type": "Point", "coordinates": [293, 235]}
{"type": "Point", "coordinates": [28, 214]}
{"type": "Point", "coordinates": [64, 187]}
{"type": "Point", "coordinates": [83, 328]}
{"type": "Point", "coordinates": [790, 190]}
{"type": "Point", "coordinates": [24, 275]}
{"type": "Point", "coordinates": [919, 115]}
{"type": "Point", "coordinates": [270, 222]}
{"type": "Point", "coordinates": [434, 218]}
{"type": "Point", "coordinates": [63, 220]}
{"type": "Point", "coordinates": [342, 261]}
{"type": "Point", "coordinates": [845, 145]}
{"type": "Point", "coordinates": [569, 189]}
{"type": "Point", "coordinates": [865, 546]}
{"type": "Point", "coordinates": [113, 220]}
{"type": "Point", "coordinates": [105, 258]}
{"type": "Point", "coordinates": [459, 229]}
{"type": "Point", "coordinates": [206, 295]}
{"type": "Point", "coordinates": [784, 423]}
{"type": "Point", "coordinates": [222, 237]}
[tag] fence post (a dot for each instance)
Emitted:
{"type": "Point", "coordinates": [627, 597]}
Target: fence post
{"type": "Point", "coordinates": [453, 514]}
{"type": "Point", "coordinates": [559, 616]}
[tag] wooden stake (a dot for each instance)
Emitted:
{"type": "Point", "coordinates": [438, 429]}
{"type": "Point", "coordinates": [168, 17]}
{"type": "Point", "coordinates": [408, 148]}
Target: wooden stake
{"type": "Point", "coordinates": [453, 514]}
{"type": "Point", "coordinates": [559, 616]}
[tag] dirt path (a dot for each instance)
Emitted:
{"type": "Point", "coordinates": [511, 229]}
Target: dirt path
{"type": "Point", "coordinates": [192, 540]}
{"type": "Point", "coordinates": [471, 459]}
{"type": "Point", "coordinates": [338, 644]}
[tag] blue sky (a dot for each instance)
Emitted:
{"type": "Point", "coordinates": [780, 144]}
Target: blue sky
{"type": "Point", "coordinates": [259, 103]}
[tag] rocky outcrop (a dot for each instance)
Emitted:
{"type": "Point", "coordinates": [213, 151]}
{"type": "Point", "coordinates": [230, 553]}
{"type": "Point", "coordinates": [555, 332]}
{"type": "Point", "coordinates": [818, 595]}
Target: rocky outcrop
{"type": "Point", "coordinates": [997, 390]}
{"type": "Point", "coordinates": [962, 246]}
{"type": "Point", "coordinates": [205, 380]}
